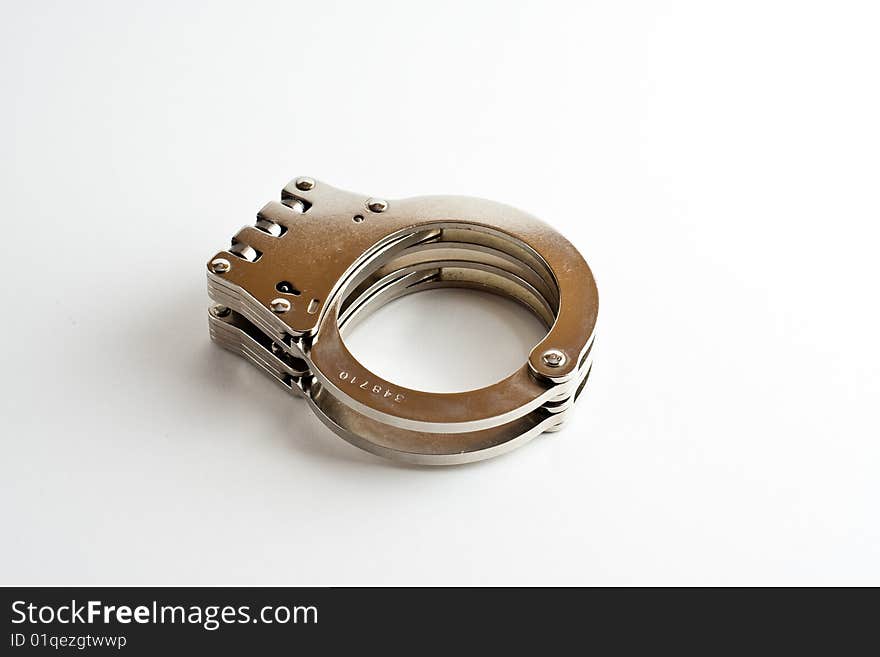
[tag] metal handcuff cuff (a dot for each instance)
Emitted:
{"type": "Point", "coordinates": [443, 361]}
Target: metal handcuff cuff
{"type": "Point", "coordinates": [289, 287]}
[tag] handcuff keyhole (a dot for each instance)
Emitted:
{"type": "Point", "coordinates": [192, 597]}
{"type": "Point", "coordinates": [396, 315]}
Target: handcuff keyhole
{"type": "Point", "coordinates": [358, 218]}
{"type": "Point", "coordinates": [285, 287]}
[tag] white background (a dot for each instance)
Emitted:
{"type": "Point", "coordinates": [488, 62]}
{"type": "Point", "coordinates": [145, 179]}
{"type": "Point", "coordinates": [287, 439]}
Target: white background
{"type": "Point", "coordinates": [716, 163]}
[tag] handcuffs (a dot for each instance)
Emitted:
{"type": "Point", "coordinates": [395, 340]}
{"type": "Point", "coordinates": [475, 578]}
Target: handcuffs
{"type": "Point", "coordinates": [289, 287]}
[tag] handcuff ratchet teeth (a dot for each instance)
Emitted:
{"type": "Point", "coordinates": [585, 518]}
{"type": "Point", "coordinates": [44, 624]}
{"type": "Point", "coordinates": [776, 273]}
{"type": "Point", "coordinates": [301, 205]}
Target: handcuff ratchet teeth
{"type": "Point", "coordinates": [289, 287]}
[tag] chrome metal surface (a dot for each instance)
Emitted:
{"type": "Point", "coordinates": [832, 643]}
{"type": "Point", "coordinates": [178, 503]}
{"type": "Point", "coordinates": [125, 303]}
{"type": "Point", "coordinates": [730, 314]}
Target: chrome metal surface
{"type": "Point", "coordinates": [332, 267]}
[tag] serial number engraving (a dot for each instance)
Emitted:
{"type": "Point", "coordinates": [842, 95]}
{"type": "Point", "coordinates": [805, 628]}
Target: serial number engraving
{"type": "Point", "coordinates": [364, 384]}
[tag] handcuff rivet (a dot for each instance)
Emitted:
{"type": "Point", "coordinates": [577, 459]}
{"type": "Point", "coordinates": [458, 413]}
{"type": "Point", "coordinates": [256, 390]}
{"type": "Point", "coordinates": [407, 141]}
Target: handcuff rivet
{"type": "Point", "coordinates": [304, 184]}
{"type": "Point", "coordinates": [218, 310]}
{"type": "Point", "coordinates": [279, 305]}
{"type": "Point", "coordinates": [220, 265]}
{"type": "Point", "coordinates": [553, 358]}
{"type": "Point", "coordinates": [377, 205]}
